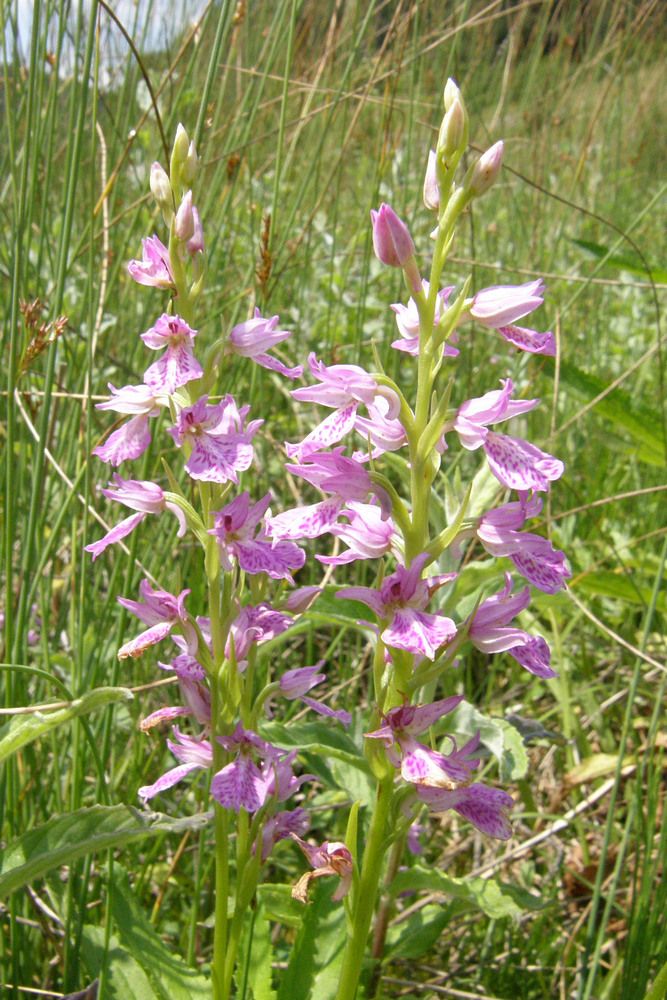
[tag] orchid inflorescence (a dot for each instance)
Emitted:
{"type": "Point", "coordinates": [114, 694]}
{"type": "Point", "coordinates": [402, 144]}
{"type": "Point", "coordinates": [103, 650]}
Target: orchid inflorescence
{"type": "Point", "coordinates": [251, 551]}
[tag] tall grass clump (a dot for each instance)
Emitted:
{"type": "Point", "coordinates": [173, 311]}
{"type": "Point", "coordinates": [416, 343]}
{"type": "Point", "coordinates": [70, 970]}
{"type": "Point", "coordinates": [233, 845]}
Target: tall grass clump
{"type": "Point", "coordinates": [303, 118]}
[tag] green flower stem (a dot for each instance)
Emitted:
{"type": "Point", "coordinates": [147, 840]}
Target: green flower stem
{"type": "Point", "coordinates": [217, 596]}
{"type": "Point", "coordinates": [221, 816]}
{"type": "Point", "coordinates": [364, 903]}
{"type": "Point", "coordinates": [384, 913]}
{"type": "Point", "coordinates": [221, 823]}
{"type": "Point", "coordinates": [247, 875]}
{"type": "Point", "coordinates": [248, 685]}
{"type": "Point", "coordinates": [422, 468]}
{"type": "Point", "coordinates": [379, 667]}
{"type": "Point", "coordinates": [400, 512]}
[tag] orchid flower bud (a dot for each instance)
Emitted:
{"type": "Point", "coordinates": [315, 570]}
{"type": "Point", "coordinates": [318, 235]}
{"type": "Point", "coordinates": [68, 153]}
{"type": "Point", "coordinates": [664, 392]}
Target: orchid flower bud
{"type": "Point", "coordinates": [185, 223]}
{"type": "Point", "coordinates": [431, 189]}
{"type": "Point", "coordinates": [391, 237]}
{"type": "Point", "coordinates": [196, 242]}
{"type": "Point", "coordinates": [453, 129]}
{"type": "Point", "coordinates": [190, 166]}
{"type": "Point", "coordinates": [300, 599]}
{"type": "Point", "coordinates": [451, 94]}
{"type": "Point", "coordinates": [161, 187]}
{"type": "Point", "coordinates": [297, 682]}
{"type": "Point", "coordinates": [181, 145]}
{"type": "Point", "coordinates": [486, 170]}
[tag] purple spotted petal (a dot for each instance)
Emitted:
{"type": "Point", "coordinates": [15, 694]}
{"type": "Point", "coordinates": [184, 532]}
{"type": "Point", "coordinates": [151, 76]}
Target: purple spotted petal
{"type": "Point", "coordinates": [484, 807]}
{"type": "Point", "coordinates": [305, 522]}
{"type": "Point", "coordinates": [239, 784]}
{"type": "Point", "coordinates": [534, 654]}
{"type": "Point", "coordinates": [167, 780]}
{"type": "Point", "coordinates": [218, 459]}
{"type": "Point", "coordinates": [326, 434]}
{"type": "Point", "coordinates": [545, 569]}
{"type": "Point", "coordinates": [135, 647]}
{"type": "Point", "coordinates": [120, 530]}
{"type": "Point", "coordinates": [275, 560]}
{"type": "Point", "coordinates": [423, 766]}
{"type": "Point", "coordinates": [418, 631]}
{"type": "Point", "coordinates": [530, 340]}
{"type": "Point", "coordinates": [520, 465]}
{"type": "Point", "coordinates": [488, 810]}
{"type": "Point", "coordinates": [177, 366]}
{"type": "Point", "coordinates": [127, 442]}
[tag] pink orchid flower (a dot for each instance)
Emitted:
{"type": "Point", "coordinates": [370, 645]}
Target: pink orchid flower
{"type": "Point", "coordinates": [343, 387]}
{"type": "Point", "coordinates": [418, 763]}
{"type": "Point", "coordinates": [332, 858]}
{"type": "Point", "coordinates": [243, 783]}
{"type": "Point", "coordinates": [515, 463]}
{"type": "Point", "coordinates": [162, 612]}
{"type": "Point", "coordinates": [220, 442]}
{"type": "Point", "coordinates": [235, 532]}
{"type": "Point", "coordinates": [131, 439]}
{"type": "Point", "coordinates": [193, 755]}
{"type": "Point", "coordinates": [484, 807]}
{"type": "Point", "coordinates": [500, 306]}
{"type": "Point", "coordinates": [178, 364]}
{"type": "Point", "coordinates": [142, 496]}
{"type": "Point", "coordinates": [399, 605]}
{"type": "Point", "coordinates": [254, 337]}
{"type": "Point", "coordinates": [154, 268]}
{"type": "Point", "coordinates": [491, 632]}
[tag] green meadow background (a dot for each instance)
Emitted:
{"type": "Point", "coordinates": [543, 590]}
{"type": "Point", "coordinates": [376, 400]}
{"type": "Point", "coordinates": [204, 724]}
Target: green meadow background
{"type": "Point", "coordinates": [307, 115]}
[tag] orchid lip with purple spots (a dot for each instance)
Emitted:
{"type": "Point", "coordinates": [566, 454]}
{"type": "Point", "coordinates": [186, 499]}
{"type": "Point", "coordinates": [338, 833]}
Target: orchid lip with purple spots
{"type": "Point", "coordinates": [400, 603]}
{"type": "Point", "coordinates": [178, 364]}
{"type": "Point", "coordinates": [238, 539]}
{"type": "Point", "coordinates": [491, 632]}
{"type": "Point", "coordinates": [220, 441]}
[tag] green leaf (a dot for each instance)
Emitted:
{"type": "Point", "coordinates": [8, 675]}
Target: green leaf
{"type": "Point", "coordinates": [168, 974]}
{"type": "Point", "coordinates": [317, 955]}
{"type": "Point", "coordinates": [324, 738]}
{"type": "Point", "coordinates": [620, 586]}
{"type": "Point", "coordinates": [126, 979]}
{"type": "Point", "coordinates": [497, 735]}
{"type": "Point", "coordinates": [278, 904]}
{"type": "Point", "coordinates": [355, 782]}
{"type": "Point", "coordinates": [633, 264]}
{"type": "Point", "coordinates": [640, 421]}
{"type": "Point", "coordinates": [256, 955]}
{"type": "Point", "coordinates": [414, 936]}
{"type": "Point", "coordinates": [23, 729]}
{"type": "Point", "coordinates": [495, 899]}
{"type": "Point", "coordinates": [331, 609]}
{"type": "Point", "coordinates": [63, 839]}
